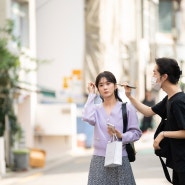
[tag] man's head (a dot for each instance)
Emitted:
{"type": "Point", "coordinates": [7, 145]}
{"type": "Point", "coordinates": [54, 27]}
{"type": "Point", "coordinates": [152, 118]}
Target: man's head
{"type": "Point", "coordinates": [165, 70]}
{"type": "Point", "coordinates": [170, 67]}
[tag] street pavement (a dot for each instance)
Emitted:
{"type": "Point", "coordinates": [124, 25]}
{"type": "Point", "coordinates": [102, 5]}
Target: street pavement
{"type": "Point", "coordinates": [72, 169]}
{"type": "Point", "coordinates": [147, 168]}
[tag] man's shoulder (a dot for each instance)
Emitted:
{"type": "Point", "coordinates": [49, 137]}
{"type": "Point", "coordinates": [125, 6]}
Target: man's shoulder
{"type": "Point", "coordinates": [178, 99]}
{"type": "Point", "coordinates": [179, 96]}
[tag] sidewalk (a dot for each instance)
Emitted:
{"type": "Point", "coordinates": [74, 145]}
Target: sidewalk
{"type": "Point", "coordinates": [11, 176]}
{"type": "Point", "coordinates": [143, 146]}
{"type": "Point", "coordinates": [146, 141]}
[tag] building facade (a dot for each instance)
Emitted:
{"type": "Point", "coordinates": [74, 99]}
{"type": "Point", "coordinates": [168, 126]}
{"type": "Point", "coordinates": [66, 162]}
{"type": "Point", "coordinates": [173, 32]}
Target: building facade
{"type": "Point", "coordinates": [82, 38]}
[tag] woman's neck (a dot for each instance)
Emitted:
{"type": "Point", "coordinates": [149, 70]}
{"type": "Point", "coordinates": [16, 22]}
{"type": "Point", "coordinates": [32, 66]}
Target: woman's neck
{"type": "Point", "coordinates": [109, 102]}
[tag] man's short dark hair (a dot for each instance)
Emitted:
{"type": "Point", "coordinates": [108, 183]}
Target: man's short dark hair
{"type": "Point", "coordinates": [170, 67]}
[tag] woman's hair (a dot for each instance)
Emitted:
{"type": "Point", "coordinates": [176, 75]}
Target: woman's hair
{"type": "Point", "coordinates": [170, 67]}
{"type": "Point", "coordinates": [110, 78]}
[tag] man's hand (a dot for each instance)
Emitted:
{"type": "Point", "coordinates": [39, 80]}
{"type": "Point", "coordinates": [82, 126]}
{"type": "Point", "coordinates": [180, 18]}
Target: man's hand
{"type": "Point", "coordinates": [127, 89]}
{"type": "Point", "coordinates": [157, 141]}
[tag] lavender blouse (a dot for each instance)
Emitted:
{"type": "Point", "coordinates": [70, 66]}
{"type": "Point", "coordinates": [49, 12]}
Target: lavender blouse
{"type": "Point", "coordinates": [95, 115]}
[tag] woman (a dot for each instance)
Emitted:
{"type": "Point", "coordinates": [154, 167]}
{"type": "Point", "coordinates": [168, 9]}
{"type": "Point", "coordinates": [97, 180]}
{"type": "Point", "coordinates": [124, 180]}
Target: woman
{"type": "Point", "coordinates": [99, 115]}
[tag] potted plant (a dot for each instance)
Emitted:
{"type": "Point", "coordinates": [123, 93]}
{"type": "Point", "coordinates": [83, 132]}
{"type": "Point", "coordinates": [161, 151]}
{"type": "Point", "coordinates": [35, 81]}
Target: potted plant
{"type": "Point", "coordinates": [20, 152]}
{"type": "Point", "coordinates": [21, 159]}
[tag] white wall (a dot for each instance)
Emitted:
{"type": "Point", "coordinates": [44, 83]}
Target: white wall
{"type": "Point", "coordinates": [55, 129]}
{"type": "Point", "coordinates": [128, 17]}
{"type": "Point", "coordinates": [60, 37]}
{"type": "Point", "coordinates": [56, 119]}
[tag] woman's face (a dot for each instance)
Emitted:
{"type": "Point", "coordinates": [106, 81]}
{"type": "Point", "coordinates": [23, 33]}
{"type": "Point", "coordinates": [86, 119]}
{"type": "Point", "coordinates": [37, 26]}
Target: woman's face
{"type": "Point", "coordinates": [105, 88]}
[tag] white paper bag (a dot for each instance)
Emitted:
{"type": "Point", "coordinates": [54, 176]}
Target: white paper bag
{"type": "Point", "coordinates": [113, 156]}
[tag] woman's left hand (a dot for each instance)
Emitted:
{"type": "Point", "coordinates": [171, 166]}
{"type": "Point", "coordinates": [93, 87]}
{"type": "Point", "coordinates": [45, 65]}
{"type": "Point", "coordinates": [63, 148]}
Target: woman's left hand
{"type": "Point", "coordinates": [112, 131]}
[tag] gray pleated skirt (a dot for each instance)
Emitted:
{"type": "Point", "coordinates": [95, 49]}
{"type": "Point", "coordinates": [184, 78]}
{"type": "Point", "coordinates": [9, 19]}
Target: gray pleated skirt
{"type": "Point", "coordinates": [100, 175]}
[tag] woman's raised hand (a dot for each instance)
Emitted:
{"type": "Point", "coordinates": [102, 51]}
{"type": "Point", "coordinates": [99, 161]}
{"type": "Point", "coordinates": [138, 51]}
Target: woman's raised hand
{"type": "Point", "coordinates": [91, 87]}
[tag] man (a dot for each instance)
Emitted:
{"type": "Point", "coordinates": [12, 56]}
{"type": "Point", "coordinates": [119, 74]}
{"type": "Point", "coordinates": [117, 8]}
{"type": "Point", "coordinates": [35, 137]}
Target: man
{"type": "Point", "coordinates": [166, 75]}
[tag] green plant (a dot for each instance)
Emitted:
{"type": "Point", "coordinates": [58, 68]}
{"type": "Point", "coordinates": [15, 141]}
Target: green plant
{"type": "Point", "coordinates": [21, 151]}
{"type": "Point", "coordinates": [10, 66]}
{"type": "Point", "coordinates": [9, 70]}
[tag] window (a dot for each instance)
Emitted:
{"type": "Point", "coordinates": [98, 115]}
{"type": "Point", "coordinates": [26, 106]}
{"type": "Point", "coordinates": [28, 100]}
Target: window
{"type": "Point", "coordinates": [165, 16]}
{"type": "Point", "coordinates": [149, 18]}
{"type": "Point", "coordinates": [20, 16]}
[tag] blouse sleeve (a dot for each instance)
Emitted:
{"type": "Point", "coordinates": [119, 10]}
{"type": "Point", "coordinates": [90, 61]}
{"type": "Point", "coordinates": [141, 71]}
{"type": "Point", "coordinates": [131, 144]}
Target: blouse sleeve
{"type": "Point", "coordinates": [88, 113]}
{"type": "Point", "coordinates": [133, 132]}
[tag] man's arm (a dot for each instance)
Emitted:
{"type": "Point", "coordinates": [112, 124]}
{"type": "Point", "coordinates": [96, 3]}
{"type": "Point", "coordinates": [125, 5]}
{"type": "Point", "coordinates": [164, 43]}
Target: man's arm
{"type": "Point", "coordinates": [144, 109]}
{"type": "Point", "coordinates": [180, 134]}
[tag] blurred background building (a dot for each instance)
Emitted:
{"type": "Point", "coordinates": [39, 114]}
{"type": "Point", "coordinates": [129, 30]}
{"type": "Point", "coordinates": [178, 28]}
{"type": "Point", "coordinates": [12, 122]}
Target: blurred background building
{"type": "Point", "coordinates": [81, 38]}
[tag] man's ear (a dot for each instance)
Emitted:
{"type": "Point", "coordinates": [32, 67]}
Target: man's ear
{"type": "Point", "coordinates": [165, 76]}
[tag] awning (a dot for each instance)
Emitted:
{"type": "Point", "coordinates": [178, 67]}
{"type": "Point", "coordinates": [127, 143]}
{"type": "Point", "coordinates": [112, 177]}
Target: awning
{"type": "Point", "coordinates": [26, 86]}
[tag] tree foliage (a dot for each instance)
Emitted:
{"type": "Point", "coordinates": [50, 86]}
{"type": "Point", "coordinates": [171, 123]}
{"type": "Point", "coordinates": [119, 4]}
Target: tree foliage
{"type": "Point", "coordinates": [9, 70]}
